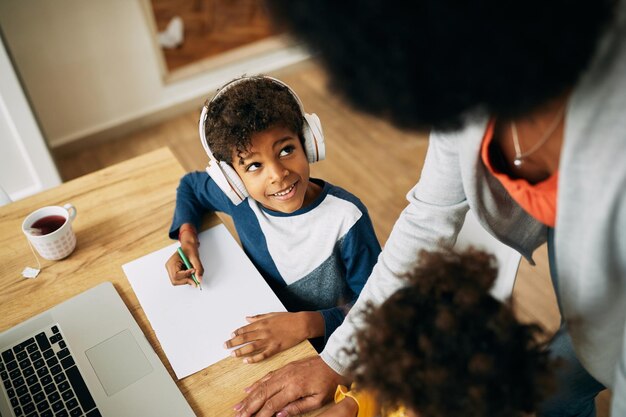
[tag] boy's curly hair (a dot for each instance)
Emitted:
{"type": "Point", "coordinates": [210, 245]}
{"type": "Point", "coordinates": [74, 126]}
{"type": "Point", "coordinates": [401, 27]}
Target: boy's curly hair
{"type": "Point", "coordinates": [444, 347]}
{"type": "Point", "coordinates": [433, 63]}
{"type": "Point", "coordinates": [249, 106]}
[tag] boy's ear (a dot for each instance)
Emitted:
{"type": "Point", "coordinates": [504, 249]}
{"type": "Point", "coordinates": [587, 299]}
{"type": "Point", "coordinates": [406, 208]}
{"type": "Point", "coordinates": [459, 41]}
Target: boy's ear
{"type": "Point", "coordinates": [228, 180]}
{"type": "Point", "coordinates": [314, 145]}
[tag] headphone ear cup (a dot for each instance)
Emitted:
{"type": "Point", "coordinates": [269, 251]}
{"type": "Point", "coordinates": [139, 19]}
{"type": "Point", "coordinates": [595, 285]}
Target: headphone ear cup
{"type": "Point", "coordinates": [314, 145]}
{"type": "Point", "coordinates": [227, 179]}
{"type": "Point", "coordinates": [234, 180]}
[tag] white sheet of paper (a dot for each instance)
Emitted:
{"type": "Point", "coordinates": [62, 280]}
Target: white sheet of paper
{"type": "Point", "coordinates": [192, 325]}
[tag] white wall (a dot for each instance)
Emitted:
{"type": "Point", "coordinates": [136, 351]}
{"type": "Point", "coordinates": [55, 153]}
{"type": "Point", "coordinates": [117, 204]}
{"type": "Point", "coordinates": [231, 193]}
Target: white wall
{"type": "Point", "coordinates": [25, 163]}
{"type": "Point", "coordinates": [89, 65]}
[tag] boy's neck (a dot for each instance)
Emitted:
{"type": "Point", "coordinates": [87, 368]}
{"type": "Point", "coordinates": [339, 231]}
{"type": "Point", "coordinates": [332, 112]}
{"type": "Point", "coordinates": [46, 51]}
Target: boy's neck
{"type": "Point", "coordinates": [313, 191]}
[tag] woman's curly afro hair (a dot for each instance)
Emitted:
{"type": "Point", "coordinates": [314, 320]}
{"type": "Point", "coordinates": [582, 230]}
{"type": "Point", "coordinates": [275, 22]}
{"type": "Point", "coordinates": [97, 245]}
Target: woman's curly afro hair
{"type": "Point", "coordinates": [444, 347]}
{"type": "Point", "coordinates": [246, 107]}
{"type": "Point", "coordinates": [434, 63]}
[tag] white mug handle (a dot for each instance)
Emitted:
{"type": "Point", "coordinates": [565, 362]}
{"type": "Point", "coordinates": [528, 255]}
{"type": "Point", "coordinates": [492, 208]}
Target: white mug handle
{"type": "Point", "coordinates": [71, 210]}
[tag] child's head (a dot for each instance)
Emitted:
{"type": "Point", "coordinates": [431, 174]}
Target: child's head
{"type": "Point", "coordinates": [246, 107]}
{"type": "Point", "coordinates": [443, 346]}
{"type": "Point", "coordinates": [256, 125]}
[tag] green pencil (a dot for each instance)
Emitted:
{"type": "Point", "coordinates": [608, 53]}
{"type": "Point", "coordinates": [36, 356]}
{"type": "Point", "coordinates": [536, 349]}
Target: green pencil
{"type": "Point", "coordinates": [188, 265]}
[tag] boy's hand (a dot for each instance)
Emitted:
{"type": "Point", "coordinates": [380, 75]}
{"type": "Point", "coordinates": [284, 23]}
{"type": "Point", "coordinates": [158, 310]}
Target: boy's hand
{"type": "Point", "coordinates": [178, 273]}
{"type": "Point", "coordinates": [269, 334]}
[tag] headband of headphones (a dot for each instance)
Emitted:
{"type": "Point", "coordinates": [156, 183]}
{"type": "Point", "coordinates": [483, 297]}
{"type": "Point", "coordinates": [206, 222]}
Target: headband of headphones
{"type": "Point", "coordinates": [225, 175]}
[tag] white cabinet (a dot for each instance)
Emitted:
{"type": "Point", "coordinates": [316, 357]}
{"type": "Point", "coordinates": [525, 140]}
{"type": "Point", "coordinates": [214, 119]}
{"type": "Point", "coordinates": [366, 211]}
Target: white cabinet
{"type": "Point", "coordinates": [26, 166]}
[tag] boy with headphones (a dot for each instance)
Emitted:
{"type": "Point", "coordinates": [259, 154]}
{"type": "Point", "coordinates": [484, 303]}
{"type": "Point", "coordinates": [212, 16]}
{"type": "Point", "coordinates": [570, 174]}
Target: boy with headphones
{"type": "Point", "coordinates": [313, 242]}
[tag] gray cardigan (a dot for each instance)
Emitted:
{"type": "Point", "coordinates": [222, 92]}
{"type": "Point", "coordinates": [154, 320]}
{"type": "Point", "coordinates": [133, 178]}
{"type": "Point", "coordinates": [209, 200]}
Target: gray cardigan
{"type": "Point", "coordinates": [590, 232]}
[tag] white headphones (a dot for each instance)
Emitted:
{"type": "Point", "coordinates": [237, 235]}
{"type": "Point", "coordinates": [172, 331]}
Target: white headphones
{"type": "Point", "coordinates": [225, 175]}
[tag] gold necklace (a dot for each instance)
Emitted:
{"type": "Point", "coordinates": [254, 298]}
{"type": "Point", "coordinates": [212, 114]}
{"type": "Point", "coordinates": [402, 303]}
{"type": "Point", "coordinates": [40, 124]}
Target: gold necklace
{"type": "Point", "coordinates": [519, 156]}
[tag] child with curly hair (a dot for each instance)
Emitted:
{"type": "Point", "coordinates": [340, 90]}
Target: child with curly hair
{"type": "Point", "coordinates": [313, 242]}
{"type": "Point", "coordinates": [443, 346]}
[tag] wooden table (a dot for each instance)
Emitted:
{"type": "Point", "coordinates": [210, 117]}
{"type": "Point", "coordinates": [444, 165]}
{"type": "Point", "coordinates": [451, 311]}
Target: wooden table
{"type": "Point", "coordinates": [124, 212]}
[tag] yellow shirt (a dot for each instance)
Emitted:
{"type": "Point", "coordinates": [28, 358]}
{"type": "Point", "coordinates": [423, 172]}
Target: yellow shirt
{"type": "Point", "coordinates": [366, 403]}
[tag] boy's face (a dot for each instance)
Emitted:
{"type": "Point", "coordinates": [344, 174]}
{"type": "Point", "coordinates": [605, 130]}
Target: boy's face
{"type": "Point", "coordinates": [275, 170]}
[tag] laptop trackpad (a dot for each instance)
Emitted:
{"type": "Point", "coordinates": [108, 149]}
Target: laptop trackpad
{"type": "Point", "coordinates": [118, 362]}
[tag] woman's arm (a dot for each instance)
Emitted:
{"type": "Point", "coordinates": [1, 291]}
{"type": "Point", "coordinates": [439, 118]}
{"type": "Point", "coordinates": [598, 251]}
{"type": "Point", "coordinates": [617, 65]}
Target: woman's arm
{"type": "Point", "coordinates": [435, 214]}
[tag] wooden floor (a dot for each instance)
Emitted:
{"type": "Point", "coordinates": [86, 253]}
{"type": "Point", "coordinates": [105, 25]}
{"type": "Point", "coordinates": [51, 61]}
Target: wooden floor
{"type": "Point", "coordinates": [211, 27]}
{"type": "Point", "coordinates": [367, 156]}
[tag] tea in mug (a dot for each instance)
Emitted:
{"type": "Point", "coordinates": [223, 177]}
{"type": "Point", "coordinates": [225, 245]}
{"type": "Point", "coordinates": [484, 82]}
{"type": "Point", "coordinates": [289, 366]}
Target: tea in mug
{"type": "Point", "coordinates": [47, 225]}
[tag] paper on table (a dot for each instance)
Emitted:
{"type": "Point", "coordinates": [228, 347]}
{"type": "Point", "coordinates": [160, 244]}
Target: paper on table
{"type": "Point", "coordinates": [192, 325]}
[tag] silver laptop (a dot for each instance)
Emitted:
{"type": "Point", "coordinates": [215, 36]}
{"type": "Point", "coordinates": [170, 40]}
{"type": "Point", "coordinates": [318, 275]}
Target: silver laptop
{"type": "Point", "coordinates": [85, 357]}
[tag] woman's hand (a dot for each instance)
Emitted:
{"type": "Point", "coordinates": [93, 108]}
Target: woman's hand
{"type": "Point", "coordinates": [344, 408]}
{"type": "Point", "coordinates": [178, 273]}
{"type": "Point", "coordinates": [292, 390]}
{"type": "Point", "coordinates": [269, 334]}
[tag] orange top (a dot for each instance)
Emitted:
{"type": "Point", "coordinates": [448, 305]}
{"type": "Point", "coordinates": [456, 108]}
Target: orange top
{"type": "Point", "coordinates": [539, 200]}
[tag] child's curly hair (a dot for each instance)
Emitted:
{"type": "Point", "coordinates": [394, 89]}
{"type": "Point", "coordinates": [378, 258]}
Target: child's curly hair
{"type": "Point", "coordinates": [249, 106]}
{"type": "Point", "coordinates": [443, 346]}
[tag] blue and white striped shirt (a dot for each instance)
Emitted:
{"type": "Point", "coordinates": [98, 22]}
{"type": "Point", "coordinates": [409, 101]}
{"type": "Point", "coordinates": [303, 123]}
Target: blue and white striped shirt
{"type": "Point", "coordinates": [317, 258]}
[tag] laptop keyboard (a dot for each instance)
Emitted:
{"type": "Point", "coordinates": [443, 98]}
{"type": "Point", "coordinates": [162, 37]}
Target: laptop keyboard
{"type": "Point", "coordinates": [41, 378]}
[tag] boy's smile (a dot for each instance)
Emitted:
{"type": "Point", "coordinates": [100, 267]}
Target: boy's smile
{"type": "Point", "coordinates": [285, 194]}
{"type": "Point", "coordinates": [275, 171]}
